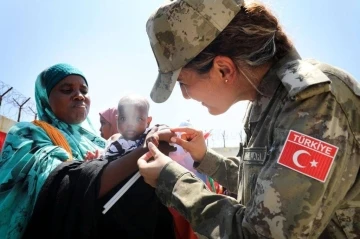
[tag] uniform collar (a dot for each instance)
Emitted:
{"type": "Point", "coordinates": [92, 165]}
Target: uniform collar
{"type": "Point", "coordinates": [268, 86]}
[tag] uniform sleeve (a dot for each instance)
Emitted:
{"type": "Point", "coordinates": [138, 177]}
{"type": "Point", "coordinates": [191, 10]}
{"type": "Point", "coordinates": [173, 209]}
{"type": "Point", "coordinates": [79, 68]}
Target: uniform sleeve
{"type": "Point", "coordinates": [223, 170]}
{"type": "Point", "coordinates": [285, 203]}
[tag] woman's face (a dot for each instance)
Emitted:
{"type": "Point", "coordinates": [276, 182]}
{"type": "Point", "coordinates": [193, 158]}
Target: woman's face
{"type": "Point", "coordinates": [105, 128]}
{"type": "Point", "coordinates": [204, 89]}
{"type": "Point", "coordinates": [69, 100]}
{"type": "Point", "coordinates": [218, 89]}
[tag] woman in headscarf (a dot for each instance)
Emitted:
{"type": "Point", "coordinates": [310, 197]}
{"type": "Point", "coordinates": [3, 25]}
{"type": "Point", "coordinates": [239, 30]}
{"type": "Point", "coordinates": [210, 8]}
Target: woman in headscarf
{"type": "Point", "coordinates": [46, 187]}
{"type": "Point", "coordinates": [108, 122]}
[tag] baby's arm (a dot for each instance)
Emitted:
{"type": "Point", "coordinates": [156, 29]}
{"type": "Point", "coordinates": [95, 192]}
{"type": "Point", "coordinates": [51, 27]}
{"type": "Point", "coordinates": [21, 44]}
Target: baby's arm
{"type": "Point", "coordinates": [164, 134]}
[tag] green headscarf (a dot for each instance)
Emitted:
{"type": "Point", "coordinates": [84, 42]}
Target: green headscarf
{"type": "Point", "coordinates": [81, 137]}
{"type": "Point", "coordinates": [28, 155]}
{"type": "Point", "coordinates": [56, 73]}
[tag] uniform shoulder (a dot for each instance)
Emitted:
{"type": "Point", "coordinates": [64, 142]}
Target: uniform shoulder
{"type": "Point", "coordinates": [337, 74]}
{"type": "Point", "coordinates": [303, 79]}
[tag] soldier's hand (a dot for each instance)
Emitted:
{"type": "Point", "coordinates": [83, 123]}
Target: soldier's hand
{"type": "Point", "coordinates": [150, 169]}
{"type": "Point", "coordinates": [192, 141]}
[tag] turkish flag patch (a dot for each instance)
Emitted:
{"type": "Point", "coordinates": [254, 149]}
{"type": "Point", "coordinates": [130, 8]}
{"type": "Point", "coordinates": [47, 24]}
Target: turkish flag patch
{"type": "Point", "coordinates": [307, 155]}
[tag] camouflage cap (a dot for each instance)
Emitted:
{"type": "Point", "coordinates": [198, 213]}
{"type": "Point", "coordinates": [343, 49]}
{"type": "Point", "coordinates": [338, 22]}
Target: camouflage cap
{"type": "Point", "coordinates": [179, 30]}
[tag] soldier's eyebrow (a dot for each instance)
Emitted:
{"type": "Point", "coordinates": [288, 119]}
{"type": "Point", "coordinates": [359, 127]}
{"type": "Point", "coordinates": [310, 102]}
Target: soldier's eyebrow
{"type": "Point", "coordinates": [180, 80]}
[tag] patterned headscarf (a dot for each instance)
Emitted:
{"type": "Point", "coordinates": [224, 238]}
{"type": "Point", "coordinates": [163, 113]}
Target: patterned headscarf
{"type": "Point", "coordinates": [28, 155]}
{"type": "Point", "coordinates": [110, 115]}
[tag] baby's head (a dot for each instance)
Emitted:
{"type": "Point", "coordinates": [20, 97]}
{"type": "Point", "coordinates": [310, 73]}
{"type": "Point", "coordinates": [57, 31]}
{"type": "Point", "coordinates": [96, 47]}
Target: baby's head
{"type": "Point", "coordinates": [133, 116]}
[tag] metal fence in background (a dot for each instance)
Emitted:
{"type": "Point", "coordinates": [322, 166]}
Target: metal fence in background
{"type": "Point", "coordinates": [15, 105]}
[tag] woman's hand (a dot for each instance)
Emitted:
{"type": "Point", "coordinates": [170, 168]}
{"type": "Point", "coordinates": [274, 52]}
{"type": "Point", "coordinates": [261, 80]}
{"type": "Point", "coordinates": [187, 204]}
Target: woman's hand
{"type": "Point", "coordinates": [192, 141]}
{"type": "Point", "coordinates": [150, 169]}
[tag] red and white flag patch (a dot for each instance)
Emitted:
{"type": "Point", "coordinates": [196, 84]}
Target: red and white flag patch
{"type": "Point", "coordinates": [307, 155]}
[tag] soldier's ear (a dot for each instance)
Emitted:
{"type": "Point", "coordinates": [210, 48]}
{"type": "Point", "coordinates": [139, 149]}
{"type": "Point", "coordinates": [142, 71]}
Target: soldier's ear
{"type": "Point", "coordinates": [225, 69]}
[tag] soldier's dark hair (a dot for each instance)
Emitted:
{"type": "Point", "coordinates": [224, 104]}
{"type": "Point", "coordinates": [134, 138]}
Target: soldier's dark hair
{"type": "Point", "coordinates": [253, 37]}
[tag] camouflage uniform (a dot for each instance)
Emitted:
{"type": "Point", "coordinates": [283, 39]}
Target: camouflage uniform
{"type": "Point", "coordinates": [274, 201]}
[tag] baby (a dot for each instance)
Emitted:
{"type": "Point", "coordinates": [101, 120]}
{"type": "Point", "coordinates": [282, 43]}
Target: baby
{"type": "Point", "coordinates": [142, 214]}
{"type": "Point", "coordinates": [133, 126]}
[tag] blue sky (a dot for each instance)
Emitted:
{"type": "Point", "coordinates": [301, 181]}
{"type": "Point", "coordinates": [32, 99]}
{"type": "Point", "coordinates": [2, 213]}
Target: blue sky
{"type": "Point", "coordinates": [107, 40]}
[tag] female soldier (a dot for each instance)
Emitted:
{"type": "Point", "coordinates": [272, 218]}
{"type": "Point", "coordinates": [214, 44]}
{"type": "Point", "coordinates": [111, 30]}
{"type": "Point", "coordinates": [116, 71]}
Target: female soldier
{"type": "Point", "coordinates": [298, 174]}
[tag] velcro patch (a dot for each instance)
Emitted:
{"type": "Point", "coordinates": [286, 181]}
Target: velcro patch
{"type": "Point", "coordinates": [307, 155]}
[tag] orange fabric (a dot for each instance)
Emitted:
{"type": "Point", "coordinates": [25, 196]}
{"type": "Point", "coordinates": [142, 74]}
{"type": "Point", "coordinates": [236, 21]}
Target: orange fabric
{"type": "Point", "coordinates": [55, 135]}
{"type": "Point", "coordinates": [183, 228]}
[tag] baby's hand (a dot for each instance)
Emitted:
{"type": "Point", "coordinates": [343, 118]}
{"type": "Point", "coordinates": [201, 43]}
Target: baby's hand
{"type": "Point", "coordinates": [92, 155]}
{"type": "Point", "coordinates": [161, 135]}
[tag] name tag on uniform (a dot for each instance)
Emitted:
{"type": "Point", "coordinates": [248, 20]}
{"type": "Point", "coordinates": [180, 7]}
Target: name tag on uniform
{"type": "Point", "coordinates": [255, 155]}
